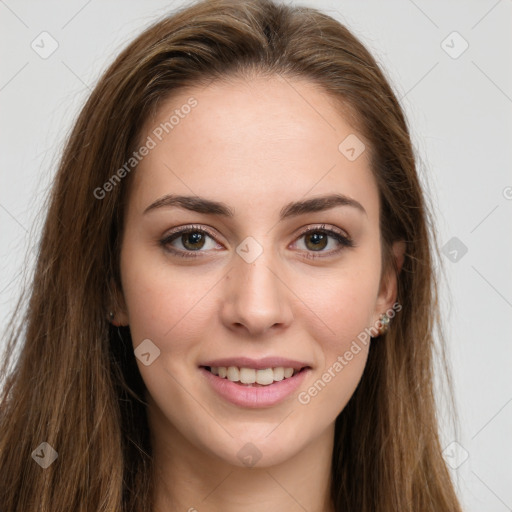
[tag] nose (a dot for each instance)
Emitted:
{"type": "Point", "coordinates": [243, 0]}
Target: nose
{"type": "Point", "coordinates": [257, 297]}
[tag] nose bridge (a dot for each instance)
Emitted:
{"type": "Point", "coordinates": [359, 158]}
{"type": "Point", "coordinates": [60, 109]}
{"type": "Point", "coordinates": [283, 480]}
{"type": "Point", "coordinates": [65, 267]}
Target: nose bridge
{"type": "Point", "coordinates": [256, 297]}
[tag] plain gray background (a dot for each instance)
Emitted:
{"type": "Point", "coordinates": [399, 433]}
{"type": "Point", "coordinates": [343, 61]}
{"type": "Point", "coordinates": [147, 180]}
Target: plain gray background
{"type": "Point", "coordinates": [459, 104]}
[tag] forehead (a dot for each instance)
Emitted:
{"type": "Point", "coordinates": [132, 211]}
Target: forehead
{"type": "Point", "coordinates": [255, 140]}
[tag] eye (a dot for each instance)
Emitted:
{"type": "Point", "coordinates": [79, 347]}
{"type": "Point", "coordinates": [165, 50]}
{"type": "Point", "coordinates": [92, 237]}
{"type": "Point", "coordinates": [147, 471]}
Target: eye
{"type": "Point", "coordinates": [317, 239]}
{"type": "Point", "coordinates": [192, 239]}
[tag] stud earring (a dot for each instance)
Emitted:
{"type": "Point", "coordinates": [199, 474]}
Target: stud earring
{"type": "Point", "coordinates": [111, 317]}
{"type": "Point", "coordinates": [384, 324]}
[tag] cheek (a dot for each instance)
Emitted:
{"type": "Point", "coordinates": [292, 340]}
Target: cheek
{"type": "Point", "coordinates": [344, 300]}
{"type": "Point", "coordinates": [343, 307]}
{"type": "Point", "coordinates": [165, 304]}
{"type": "Point", "coordinates": [345, 311]}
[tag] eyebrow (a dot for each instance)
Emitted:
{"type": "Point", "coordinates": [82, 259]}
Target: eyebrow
{"type": "Point", "coordinates": [293, 209]}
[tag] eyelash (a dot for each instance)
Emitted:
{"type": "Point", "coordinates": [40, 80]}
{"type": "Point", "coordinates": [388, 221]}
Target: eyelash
{"type": "Point", "coordinates": [343, 240]}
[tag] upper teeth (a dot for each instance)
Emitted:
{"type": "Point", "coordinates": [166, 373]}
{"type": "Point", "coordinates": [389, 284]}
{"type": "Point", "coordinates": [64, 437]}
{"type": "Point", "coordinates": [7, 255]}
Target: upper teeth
{"type": "Point", "coordinates": [251, 376]}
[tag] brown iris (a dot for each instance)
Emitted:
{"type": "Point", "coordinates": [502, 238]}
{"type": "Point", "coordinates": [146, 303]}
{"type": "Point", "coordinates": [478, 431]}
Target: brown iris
{"type": "Point", "coordinates": [191, 238]}
{"type": "Point", "coordinates": [319, 240]}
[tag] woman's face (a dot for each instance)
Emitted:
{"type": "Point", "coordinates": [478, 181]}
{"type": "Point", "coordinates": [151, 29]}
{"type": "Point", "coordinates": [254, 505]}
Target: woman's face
{"type": "Point", "coordinates": [246, 287]}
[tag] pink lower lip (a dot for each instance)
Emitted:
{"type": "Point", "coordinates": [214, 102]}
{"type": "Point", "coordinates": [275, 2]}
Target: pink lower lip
{"type": "Point", "coordinates": [254, 397]}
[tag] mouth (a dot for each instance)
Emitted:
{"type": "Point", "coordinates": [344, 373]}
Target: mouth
{"type": "Point", "coordinates": [252, 377]}
{"type": "Point", "coordinates": [253, 388]}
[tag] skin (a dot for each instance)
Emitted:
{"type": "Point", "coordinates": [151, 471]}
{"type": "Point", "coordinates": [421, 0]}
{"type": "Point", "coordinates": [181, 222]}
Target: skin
{"type": "Point", "coordinates": [255, 146]}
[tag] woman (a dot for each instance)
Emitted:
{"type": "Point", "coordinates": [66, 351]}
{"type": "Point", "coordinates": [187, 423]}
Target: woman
{"type": "Point", "coordinates": [234, 301]}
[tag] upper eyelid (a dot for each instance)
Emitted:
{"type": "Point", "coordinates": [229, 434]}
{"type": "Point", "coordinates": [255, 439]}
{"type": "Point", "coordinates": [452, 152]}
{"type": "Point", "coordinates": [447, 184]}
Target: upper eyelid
{"type": "Point", "coordinates": [190, 228]}
{"type": "Point", "coordinates": [325, 227]}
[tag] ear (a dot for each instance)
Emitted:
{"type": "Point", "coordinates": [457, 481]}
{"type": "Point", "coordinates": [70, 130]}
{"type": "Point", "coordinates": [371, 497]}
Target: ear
{"type": "Point", "coordinates": [118, 305]}
{"type": "Point", "coordinates": [389, 280]}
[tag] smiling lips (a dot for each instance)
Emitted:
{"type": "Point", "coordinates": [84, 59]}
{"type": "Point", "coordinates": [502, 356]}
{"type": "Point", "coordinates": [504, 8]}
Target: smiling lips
{"type": "Point", "coordinates": [253, 383]}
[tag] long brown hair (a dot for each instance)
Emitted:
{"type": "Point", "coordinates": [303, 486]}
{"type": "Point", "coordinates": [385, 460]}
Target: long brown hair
{"type": "Point", "coordinates": [75, 384]}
